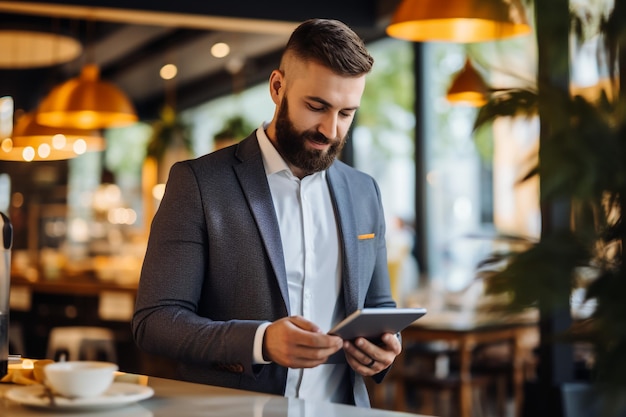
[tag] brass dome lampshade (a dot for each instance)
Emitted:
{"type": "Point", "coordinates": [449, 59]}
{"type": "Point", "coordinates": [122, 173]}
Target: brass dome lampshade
{"type": "Point", "coordinates": [33, 142]}
{"type": "Point", "coordinates": [86, 102]}
{"type": "Point", "coordinates": [468, 87]}
{"type": "Point", "coordinates": [461, 21]}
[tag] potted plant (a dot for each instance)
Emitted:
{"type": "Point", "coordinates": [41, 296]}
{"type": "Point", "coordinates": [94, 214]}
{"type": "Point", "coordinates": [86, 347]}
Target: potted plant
{"type": "Point", "coordinates": [170, 142]}
{"type": "Point", "coordinates": [582, 171]}
{"type": "Point", "coordinates": [235, 128]}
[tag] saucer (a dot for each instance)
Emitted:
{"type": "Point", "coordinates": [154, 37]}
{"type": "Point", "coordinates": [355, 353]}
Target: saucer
{"type": "Point", "coordinates": [118, 394]}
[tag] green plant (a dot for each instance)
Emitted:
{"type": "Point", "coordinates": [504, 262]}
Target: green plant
{"type": "Point", "coordinates": [582, 170]}
{"type": "Point", "coordinates": [169, 130]}
{"type": "Point", "coordinates": [236, 127]}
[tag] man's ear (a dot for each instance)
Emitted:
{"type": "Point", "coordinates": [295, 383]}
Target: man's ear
{"type": "Point", "coordinates": [276, 85]}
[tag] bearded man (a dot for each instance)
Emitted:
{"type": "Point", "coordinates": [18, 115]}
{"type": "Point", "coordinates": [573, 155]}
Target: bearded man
{"type": "Point", "coordinates": [258, 249]}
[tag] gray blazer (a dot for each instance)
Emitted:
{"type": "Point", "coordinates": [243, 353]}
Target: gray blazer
{"type": "Point", "coordinates": [214, 267]}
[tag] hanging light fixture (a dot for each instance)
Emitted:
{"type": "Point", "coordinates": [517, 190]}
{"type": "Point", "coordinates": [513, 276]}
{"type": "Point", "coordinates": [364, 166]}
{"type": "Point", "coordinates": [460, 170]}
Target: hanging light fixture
{"type": "Point", "coordinates": [21, 49]}
{"type": "Point", "coordinates": [460, 21]}
{"type": "Point", "coordinates": [33, 142]}
{"type": "Point", "coordinates": [86, 102]}
{"type": "Point", "coordinates": [468, 87]}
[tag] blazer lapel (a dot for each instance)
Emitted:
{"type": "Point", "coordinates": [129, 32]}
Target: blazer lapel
{"type": "Point", "coordinates": [253, 181]}
{"type": "Point", "coordinates": [341, 195]}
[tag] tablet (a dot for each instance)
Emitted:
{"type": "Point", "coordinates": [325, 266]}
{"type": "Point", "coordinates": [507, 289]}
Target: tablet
{"type": "Point", "coordinates": [372, 323]}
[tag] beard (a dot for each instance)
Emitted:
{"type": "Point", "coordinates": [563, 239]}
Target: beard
{"type": "Point", "coordinates": [292, 144]}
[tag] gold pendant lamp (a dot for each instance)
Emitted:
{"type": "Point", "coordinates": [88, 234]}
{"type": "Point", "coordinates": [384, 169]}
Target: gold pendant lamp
{"type": "Point", "coordinates": [461, 21]}
{"type": "Point", "coordinates": [31, 141]}
{"type": "Point", "coordinates": [86, 102]}
{"type": "Point", "coordinates": [468, 87]}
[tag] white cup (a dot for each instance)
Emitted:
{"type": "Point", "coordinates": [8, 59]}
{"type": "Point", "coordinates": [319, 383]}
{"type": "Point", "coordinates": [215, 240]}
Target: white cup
{"type": "Point", "coordinates": [80, 379]}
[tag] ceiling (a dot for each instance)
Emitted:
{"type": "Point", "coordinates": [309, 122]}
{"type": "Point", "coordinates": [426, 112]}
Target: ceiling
{"type": "Point", "coordinates": [131, 40]}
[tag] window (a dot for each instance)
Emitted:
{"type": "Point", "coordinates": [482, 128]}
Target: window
{"type": "Point", "coordinates": [384, 147]}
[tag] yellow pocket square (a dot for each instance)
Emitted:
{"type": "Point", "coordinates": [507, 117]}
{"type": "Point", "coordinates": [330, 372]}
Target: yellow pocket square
{"type": "Point", "coordinates": [366, 236]}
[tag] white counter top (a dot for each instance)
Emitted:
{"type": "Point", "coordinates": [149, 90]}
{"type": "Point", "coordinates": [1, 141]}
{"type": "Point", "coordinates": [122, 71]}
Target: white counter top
{"type": "Point", "coordinates": [181, 399]}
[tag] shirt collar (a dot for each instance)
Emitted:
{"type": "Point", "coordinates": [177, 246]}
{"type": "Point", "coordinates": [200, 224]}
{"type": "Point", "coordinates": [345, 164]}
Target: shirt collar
{"type": "Point", "coordinates": [272, 161]}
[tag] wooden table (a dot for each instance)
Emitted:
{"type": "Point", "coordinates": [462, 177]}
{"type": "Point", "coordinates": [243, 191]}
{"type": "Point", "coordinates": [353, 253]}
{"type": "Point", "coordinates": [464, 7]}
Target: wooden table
{"type": "Point", "coordinates": [465, 333]}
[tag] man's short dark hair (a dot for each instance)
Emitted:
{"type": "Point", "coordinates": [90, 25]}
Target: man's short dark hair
{"type": "Point", "coordinates": [330, 43]}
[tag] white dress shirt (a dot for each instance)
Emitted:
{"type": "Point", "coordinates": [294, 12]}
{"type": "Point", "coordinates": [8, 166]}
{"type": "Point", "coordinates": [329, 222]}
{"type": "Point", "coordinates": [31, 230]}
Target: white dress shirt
{"type": "Point", "coordinates": [310, 239]}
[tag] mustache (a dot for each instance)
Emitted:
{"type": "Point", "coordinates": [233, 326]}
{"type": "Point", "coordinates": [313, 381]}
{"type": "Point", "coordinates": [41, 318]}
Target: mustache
{"type": "Point", "coordinates": [317, 137]}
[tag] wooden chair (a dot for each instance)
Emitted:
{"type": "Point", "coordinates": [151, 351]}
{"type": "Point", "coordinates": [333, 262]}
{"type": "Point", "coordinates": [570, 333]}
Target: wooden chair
{"type": "Point", "coordinates": [423, 380]}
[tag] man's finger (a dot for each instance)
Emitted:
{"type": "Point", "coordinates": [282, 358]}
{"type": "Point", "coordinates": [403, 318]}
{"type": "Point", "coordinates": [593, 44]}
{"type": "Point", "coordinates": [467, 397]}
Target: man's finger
{"type": "Point", "coordinates": [304, 324]}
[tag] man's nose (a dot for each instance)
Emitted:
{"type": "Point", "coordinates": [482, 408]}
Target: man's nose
{"type": "Point", "coordinates": [328, 126]}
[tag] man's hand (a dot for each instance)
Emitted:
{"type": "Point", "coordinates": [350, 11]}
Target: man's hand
{"type": "Point", "coordinates": [296, 342]}
{"type": "Point", "coordinates": [367, 358]}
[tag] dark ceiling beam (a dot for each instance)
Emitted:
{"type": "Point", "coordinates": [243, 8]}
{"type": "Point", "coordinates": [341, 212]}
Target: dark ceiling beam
{"type": "Point", "coordinates": [204, 89]}
{"type": "Point", "coordinates": [150, 50]}
{"type": "Point", "coordinates": [363, 13]}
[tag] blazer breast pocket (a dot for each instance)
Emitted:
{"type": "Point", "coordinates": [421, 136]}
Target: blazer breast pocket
{"type": "Point", "coordinates": [367, 249]}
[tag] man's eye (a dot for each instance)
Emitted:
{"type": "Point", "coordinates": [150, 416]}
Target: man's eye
{"type": "Point", "coordinates": [312, 107]}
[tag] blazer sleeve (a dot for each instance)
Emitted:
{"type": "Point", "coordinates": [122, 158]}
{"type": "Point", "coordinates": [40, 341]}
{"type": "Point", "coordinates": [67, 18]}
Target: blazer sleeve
{"type": "Point", "coordinates": [166, 320]}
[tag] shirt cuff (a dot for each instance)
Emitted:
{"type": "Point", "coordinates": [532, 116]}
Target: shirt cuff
{"type": "Point", "coordinates": [257, 352]}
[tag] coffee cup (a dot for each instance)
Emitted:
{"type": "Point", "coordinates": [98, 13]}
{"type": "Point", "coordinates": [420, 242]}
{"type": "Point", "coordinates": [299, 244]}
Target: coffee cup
{"type": "Point", "coordinates": [79, 379]}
